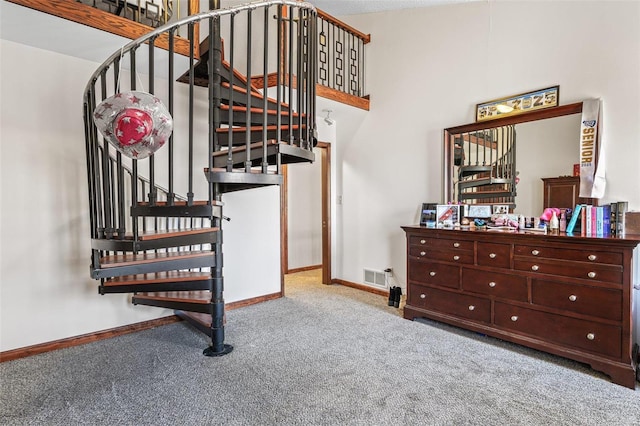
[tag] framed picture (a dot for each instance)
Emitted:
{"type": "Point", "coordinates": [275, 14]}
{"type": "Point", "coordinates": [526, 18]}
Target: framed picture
{"type": "Point", "coordinates": [428, 215]}
{"type": "Point", "coordinates": [518, 104]}
{"type": "Point", "coordinates": [500, 208]}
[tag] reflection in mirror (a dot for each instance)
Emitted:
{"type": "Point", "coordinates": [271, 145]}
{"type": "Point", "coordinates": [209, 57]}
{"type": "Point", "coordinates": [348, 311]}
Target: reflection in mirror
{"type": "Point", "coordinates": [503, 161]}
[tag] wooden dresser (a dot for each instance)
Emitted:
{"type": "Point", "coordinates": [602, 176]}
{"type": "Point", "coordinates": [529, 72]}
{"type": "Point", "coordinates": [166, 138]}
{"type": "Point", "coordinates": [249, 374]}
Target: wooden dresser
{"type": "Point", "coordinates": [566, 295]}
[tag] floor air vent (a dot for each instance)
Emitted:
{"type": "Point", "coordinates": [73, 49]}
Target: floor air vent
{"type": "Point", "coordinates": [374, 278]}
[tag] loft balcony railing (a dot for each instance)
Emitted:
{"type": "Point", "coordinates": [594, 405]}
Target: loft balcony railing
{"type": "Point", "coordinates": [341, 56]}
{"type": "Point", "coordinates": [341, 48]}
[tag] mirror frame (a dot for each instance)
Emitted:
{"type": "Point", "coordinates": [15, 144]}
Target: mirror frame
{"type": "Point", "coordinates": [542, 114]}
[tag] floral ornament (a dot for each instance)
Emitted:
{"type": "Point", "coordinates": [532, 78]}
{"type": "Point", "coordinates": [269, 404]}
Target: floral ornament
{"type": "Point", "coordinates": [136, 123]}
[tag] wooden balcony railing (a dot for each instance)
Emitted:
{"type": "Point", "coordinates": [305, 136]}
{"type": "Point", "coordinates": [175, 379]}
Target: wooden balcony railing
{"type": "Point", "coordinates": [100, 14]}
{"type": "Point", "coordinates": [341, 48]}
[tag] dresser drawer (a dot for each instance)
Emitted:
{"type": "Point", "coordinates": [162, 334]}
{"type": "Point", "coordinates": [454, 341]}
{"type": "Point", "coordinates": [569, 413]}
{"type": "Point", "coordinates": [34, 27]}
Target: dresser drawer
{"type": "Point", "coordinates": [440, 243]}
{"type": "Point", "coordinates": [592, 272]}
{"type": "Point", "coordinates": [460, 305]}
{"type": "Point", "coordinates": [582, 299]}
{"type": "Point", "coordinates": [494, 254]}
{"type": "Point", "coordinates": [439, 274]}
{"type": "Point", "coordinates": [446, 255]}
{"type": "Point", "coordinates": [588, 255]}
{"type": "Point", "coordinates": [505, 286]}
{"type": "Point", "coordinates": [571, 332]}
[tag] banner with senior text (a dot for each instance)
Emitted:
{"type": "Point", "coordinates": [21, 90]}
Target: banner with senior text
{"type": "Point", "coordinates": [592, 161]}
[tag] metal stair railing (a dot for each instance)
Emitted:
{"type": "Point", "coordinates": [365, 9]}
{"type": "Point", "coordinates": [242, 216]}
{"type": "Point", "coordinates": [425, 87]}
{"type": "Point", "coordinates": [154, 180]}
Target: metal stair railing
{"type": "Point", "coordinates": [192, 142]}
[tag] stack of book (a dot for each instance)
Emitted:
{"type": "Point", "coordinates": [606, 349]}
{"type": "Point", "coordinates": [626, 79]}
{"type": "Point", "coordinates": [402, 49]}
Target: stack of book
{"type": "Point", "coordinates": [598, 221]}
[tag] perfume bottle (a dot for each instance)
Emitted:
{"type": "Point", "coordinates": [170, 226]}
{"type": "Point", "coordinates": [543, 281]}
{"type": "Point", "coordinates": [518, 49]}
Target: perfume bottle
{"type": "Point", "coordinates": [554, 224]}
{"type": "Point", "coordinates": [563, 221]}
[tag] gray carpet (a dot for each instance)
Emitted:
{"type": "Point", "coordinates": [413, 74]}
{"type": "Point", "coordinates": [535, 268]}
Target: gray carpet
{"type": "Point", "coordinates": [320, 356]}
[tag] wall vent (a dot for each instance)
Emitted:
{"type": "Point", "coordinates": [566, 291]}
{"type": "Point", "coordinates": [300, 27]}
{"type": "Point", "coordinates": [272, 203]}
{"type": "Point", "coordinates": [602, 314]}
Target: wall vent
{"type": "Point", "coordinates": [375, 278]}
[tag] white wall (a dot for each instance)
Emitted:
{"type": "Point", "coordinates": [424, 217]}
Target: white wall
{"type": "Point", "coordinates": [305, 213]}
{"type": "Point", "coordinates": [45, 289]}
{"type": "Point", "coordinates": [428, 68]}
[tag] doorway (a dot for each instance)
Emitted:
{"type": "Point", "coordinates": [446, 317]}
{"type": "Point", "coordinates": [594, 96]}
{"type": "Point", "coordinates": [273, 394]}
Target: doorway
{"type": "Point", "coordinates": [323, 154]}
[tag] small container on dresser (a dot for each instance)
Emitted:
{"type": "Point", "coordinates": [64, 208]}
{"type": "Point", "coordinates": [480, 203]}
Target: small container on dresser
{"type": "Point", "coordinates": [570, 296]}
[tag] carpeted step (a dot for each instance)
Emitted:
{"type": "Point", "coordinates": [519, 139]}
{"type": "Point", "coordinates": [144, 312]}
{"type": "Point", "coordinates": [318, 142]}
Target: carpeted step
{"type": "Point", "coordinates": [190, 301]}
{"type": "Point", "coordinates": [148, 262]}
{"type": "Point", "coordinates": [288, 154]}
{"type": "Point", "coordinates": [158, 281]}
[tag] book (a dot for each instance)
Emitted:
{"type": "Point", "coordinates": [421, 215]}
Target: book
{"type": "Point", "coordinates": [593, 220]}
{"type": "Point", "coordinates": [586, 229]}
{"type": "Point", "coordinates": [613, 207]}
{"type": "Point", "coordinates": [599, 221]}
{"type": "Point", "coordinates": [621, 209]}
{"type": "Point", "coordinates": [606, 220]}
{"type": "Point", "coordinates": [575, 215]}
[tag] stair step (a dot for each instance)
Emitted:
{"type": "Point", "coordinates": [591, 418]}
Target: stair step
{"type": "Point", "coordinates": [202, 322]}
{"type": "Point", "coordinates": [471, 183]}
{"type": "Point", "coordinates": [240, 180]}
{"type": "Point", "coordinates": [191, 301]}
{"type": "Point", "coordinates": [144, 263]}
{"type": "Point", "coordinates": [256, 133]}
{"type": "Point", "coordinates": [477, 195]}
{"type": "Point", "coordinates": [288, 154]}
{"type": "Point", "coordinates": [177, 209]}
{"type": "Point", "coordinates": [152, 240]}
{"type": "Point", "coordinates": [158, 281]}
{"type": "Point", "coordinates": [239, 113]}
{"type": "Point", "coordinates": [256, 99]}
{"type": "Point", "coordinates": [465, 171]}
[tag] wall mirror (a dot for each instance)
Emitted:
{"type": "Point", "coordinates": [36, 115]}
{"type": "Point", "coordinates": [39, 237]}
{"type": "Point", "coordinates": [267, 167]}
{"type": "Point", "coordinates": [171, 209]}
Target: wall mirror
{"type": "Point", "coordinates": [503, 161]}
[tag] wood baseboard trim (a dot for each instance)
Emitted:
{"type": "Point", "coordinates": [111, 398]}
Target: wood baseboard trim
{"type": "Point", "coordinates": [303, 269]}
{"type": "Point", "coordinates": [360, 287]}
{"type": "Point", "coordinates": [69, 342]}
{"type": "Point", "coordinates": [84, 338]}
{"type": "Point", "coordinates": [253, 301]}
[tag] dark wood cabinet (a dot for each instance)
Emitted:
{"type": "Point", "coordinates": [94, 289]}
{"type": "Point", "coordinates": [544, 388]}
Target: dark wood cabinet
{"type": "Point", "coordinates": [564, 192]}
{"type": "Point", "coordinates": [567, 295]}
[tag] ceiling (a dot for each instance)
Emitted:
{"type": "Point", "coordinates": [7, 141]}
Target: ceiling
{"type": "Point", "coordinates": [354, 7]}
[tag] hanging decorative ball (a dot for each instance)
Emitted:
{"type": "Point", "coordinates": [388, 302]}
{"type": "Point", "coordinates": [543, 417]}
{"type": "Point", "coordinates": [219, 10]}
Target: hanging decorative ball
{"type": "Point", "coordinates": [137, 124]}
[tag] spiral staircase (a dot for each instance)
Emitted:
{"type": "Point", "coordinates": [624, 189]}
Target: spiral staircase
{"type": "Point", "coordinates": [157, 223]}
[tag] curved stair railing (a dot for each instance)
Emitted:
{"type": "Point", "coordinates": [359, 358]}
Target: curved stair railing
{"type": "Point", "coordinates": [165, 245]}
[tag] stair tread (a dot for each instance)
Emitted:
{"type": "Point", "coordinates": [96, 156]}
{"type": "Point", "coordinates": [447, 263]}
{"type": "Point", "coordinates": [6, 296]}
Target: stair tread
{"type": "Point", "coordinates": [240, 108]}
{"type": "Point", "coordinates": [157, 277]}
{"type": "Point", "coordinates": [256, 94]}
{"type": "Point", "coordinates": [167, 233]}
{"type": "Point", "coordinates": [242, 148]}
{"type": "Point", "coordinates": [201, 297]}
{"type": "Point", "coordinates": [180, 203]}
{"type": "Point", "coordinates": [203, 319]}
{"type": "Point", "coordinates": [224, 170]}
{"type": "Point", "coordinates": [141, 258]}
{"type": "Point", "coordinates": [258, 128]}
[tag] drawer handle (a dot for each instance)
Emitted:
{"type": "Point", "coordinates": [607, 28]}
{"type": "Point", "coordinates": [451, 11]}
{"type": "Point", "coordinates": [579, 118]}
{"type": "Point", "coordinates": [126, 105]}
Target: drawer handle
{"type": "Point", "coordinates": [423, 296]}
{"type": "Point", "coordinates": [456, 245]}
{"type": "Point", "coordinates": [471, 307]}
{"type": "Point", "coordinates": [591, 274]}
{"type": "Point", "coordinates": [432, 273]}
{"type": "Point", "coordinates": [492, 284]}
{"type": "Point", "coordinates": [573, 298]}
{"type": "Point", "coordinates": [535, 267]}
{"type": "Point", "coordinates": [592, 257]}
{"type": "Point", "coordinates": [492, 255]}
{"type": "Point", "coordinates": [535, 252]}
{"type": "Point", "coordinates": [456, 257]}
{"type": "Point", "coordinates": [591, 336]}
{"type": "Point", "coordinates": [423, 241]}
{"type": "Point", "coordinates": [514, 318]}
{"type": "Point", "coordinates": [422, 253]}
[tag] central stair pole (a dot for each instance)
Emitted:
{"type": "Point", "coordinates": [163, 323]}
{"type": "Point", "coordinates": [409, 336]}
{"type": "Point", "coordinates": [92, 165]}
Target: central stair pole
{"type": "Point", "coordinates": [217, 347]}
